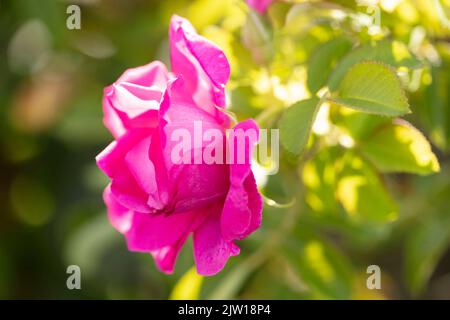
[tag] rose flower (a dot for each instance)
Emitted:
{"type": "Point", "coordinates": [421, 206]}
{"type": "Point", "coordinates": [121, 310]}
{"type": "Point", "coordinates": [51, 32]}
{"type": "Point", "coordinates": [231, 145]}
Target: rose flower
{"type": "Point", "coordinates": [156, 201]}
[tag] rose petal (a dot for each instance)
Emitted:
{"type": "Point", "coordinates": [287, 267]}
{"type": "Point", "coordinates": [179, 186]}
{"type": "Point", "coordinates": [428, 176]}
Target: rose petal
{"type": "Point", "coordinates": [146, 165]}
{"type": "Point", "coordinates": [259, 5]}
{"type": "Point", "coordinates": [124, 186]}
{"type": "Point", "coordinates": [152, 74]}
{"type": "Point", "coordinates": [179, 113]}
{"type": "Point", "coordinates": [211, 251]}
{"type": "Point", "coordinates": [202, 64]}
{"type": "Point", "coordinates": [111, 159]}
{"type": "Point", "coordinates": [255, 204]}
{"type": "Point", "coordinates": [152, 232]}
{"type": "Point", "coordinates": [243, 138]}
{"type": "Point", "coordinates": [166, 257]}
{"type": "Point", "coordinates": [243, 205]}
{"type": "Point", "coordinates": [119, 216]}
{"type": "Point", "coordinates": [193, 179]}
{"type": "Point", "coordinates": [132, 100]}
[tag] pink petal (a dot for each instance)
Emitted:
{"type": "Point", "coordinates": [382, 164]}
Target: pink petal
{"type": "Point", "coordinates": [152, 232]}
{"type": "Point", "coordinates": [243, 205]}
{"type": "Point", "coordinates": [260, 5]}
{"type": "Point", "coordinates": [112, 118]}
{"type": "Point", "coordinates": [119, 216]}
{"type": "Point", "coordinates": [111, 159]}
{"type": "Point", "coordinates": [211, 250]}
{"type": "Point", "coordinates": [152, 74]}
{"type": "Point", "coordinates": [166, 257]}
{"type": "Point", "coordinates": [255, 204]}
{"type": "Point", "coordinates": [193, 180]}
{"type": "Point", "coordinates": [124, 186]}
{"type": "Point", "coordinates": [122, 219]}
{"type": "Point", "coordinates": [129, 194]}
{"type": "Point", "coordinates": [179, 112]}
{"type": "Point", "coordinates": [236, 214]}
{"type": "Point", "coordinates": [133, 99]}
{"type": "Point", "coordinates": [203, 65]}
{"type": "Point", "coordinates": [141, 167]}
{"type": "Point", "coordinates": [200, 185]}
{"type": "Point", "coordinates": [146, 165]}
{"type": "Point", "coordinates": [242, 141]}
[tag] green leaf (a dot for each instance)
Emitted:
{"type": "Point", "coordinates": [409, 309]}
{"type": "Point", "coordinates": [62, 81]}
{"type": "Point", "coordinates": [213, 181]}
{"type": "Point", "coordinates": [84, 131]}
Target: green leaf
{"type": "Point", "coordinates": [393, 53]}
{"type": "Point", "coordinates": [296, 123]}
{"type": "Point", "coordinates": [284, 285]}
{"type": "Point", "coordinates": [188, 287]}
{"type": "Point", "coordinates": [324, 60]}
{"type": "Point", "coordinates": [432, 110]}
{"type": "Point", "coordinates": [357, 124]}
{"type": "Point", "coordinates": [322, 268]}
{"type": "Point", "coordinates": [399, 147]}
{"type": "Point", "coordinates": [362, 194]}
{"type": "Point", "coordinates": [319, 177]}
{"type": "Point", "coordinates": [233, 281]}
{"type": "Point", "coordinates": [372, 87]}
{"type": "Point", "coordinates": [426, 244]}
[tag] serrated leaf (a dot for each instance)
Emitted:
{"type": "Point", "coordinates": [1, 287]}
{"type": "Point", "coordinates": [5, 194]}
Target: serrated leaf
{"type": "Point", "coordinates": [372, 87]}
{"type": "Point", "coordinates": [324, 60]}
{"type": "Point", "coordinates": [362, 194]}
{"type": "Point", "coordinates": [296, 123]}
{"type": "Point", "coordinates": [399, 147]}
{"type": "Point", "coordinates": [393, 53]}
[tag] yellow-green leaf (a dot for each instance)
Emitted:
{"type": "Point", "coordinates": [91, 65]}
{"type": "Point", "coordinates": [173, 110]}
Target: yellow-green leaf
{"type": "Point", "coordinates": [372, 87]}
{"type": "Point", "coordinates": [424, 247]}
{"type": "Point", "coordinates": [362, 194]}
{"type": "Point", "coordinates": [326, 272]}
{"type": "Point", "coordinates": [324, 60]}
{"type": "Point", "coordinates": [296, 123]}
{"type": "Point", "coordinates": [399, 147]}
{"type": "Point", "coordinates": [188, 287]}
{"type": "Point", "coordinates": [393, 53]}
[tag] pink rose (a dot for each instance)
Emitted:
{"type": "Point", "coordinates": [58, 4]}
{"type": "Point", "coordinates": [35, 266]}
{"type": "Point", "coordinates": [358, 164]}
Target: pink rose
{"type": "Point", "coordinates": [260, 5]}
{"type": "Point", "coordinates": [157, 202]}
{"type": "Point", "coordinates": [133, 100]}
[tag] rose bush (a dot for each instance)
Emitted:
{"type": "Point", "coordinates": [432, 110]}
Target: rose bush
{"type": "Point", "coordinates": [156, 202]}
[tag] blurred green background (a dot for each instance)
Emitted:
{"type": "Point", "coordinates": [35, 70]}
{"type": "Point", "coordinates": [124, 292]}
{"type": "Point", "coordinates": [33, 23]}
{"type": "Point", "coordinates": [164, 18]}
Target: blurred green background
{"type": "Point", "coordinates": [51, 210]}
